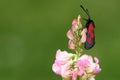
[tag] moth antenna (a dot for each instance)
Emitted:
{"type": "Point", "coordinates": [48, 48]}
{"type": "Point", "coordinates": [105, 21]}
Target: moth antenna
{"type": "Point", "coordinates": [86, 11]}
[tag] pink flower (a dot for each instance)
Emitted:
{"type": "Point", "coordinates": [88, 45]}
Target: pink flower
{"type": "Point", "coordinates": [94, 66]}
{"type": "Point", "coordinates": [70, 34]}
{"type": "Point", "coordinates": [71, 45]}
{"type": "Point", "coordinates": [86, 63]}
{"type": "Point", "coordinates": [62, 63]}
{"type": "Point", "coordinates": [68, 68]}
{"type": "Point", "coordinates": [63, 57]}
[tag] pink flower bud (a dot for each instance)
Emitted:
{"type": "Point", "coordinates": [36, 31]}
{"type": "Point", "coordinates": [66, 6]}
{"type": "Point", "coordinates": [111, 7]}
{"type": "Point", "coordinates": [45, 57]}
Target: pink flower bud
{"type": "Point", "coordinates": [71, 45]}
{"type": "Point", "coordinates": [70, 34]}
{"type": "Point", "coordinates": [79, 21]}
{"type": "Point", "coordinates": [83, 33]}
{"type": "Point", "coordinates": [74, 22]}
{"type": "Point", "coordinates": [74, 25]}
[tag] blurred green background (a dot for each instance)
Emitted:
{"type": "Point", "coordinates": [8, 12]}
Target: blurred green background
{"type": "Point", "coordinates": [32, 30]}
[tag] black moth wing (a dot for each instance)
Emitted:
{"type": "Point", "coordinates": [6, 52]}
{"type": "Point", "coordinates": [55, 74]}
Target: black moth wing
{"type": "Point", "coordinates": [90, 36]}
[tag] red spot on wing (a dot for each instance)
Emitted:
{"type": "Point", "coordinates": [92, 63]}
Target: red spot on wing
{"type": "Point", "coordinates": [91, 34]}
{"type": "Point", "coordinates": [91, 27]}
{"type": "Point", "coordinates": [89, 40]}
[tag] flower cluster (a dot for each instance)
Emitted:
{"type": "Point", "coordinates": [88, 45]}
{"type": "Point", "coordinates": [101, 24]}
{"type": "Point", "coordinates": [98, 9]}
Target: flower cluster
{"type": "Point", "coordinates": [76, 66]}
{"type": "Point", "coordinates": [69, 67]}
{"type": "Point", "coordinates": [77, 34]}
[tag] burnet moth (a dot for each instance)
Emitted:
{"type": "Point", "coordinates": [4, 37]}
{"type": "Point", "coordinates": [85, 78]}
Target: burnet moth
{"type": "Point", "coordinates": [90, 36]}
